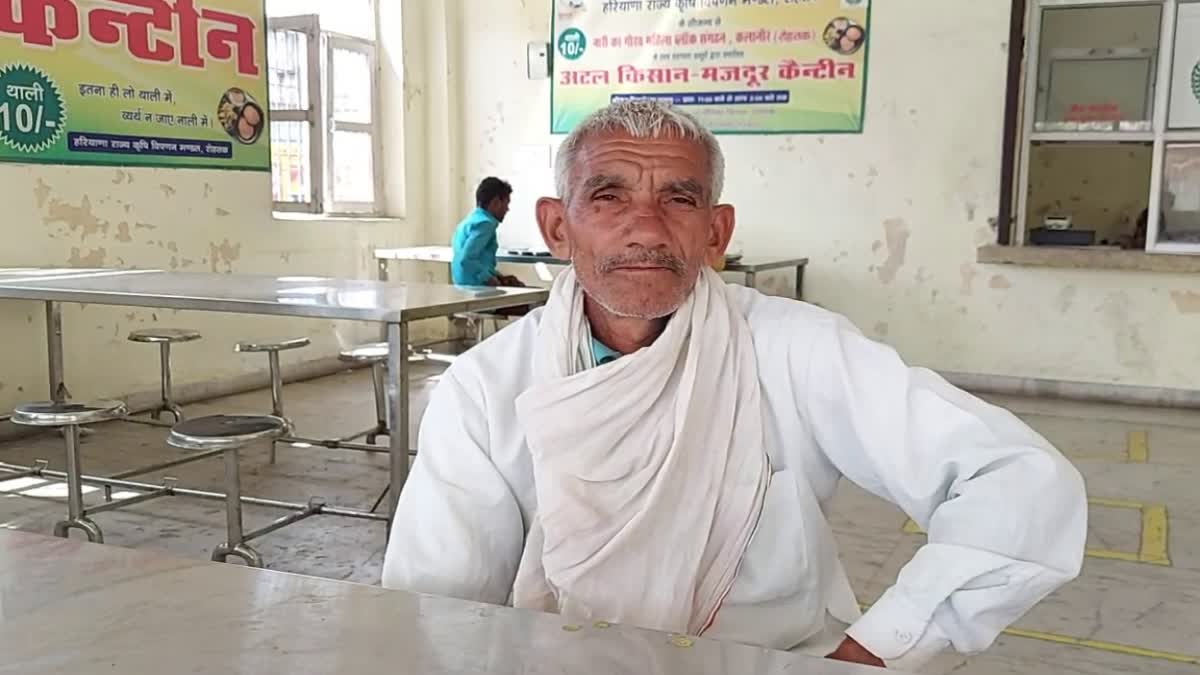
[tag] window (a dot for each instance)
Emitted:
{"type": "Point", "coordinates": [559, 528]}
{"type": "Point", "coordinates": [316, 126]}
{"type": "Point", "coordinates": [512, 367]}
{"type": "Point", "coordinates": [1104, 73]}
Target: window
{"type": "Point", "coordinates": [324, 106]}
{"type": "Point", "coordinates": [1105, 122]}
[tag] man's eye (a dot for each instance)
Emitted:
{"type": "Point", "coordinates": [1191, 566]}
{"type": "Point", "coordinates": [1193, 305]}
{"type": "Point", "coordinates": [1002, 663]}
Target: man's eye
{"type": "Point", "coordinates": [688, 201]}
{"type": "Point", "coordinates": [605, 197]}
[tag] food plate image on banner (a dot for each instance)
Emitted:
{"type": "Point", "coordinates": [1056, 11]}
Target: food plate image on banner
{"type": "Point", "coordinates": [740, 66]}
{"type": "Point", "coordinates": [168, 83]}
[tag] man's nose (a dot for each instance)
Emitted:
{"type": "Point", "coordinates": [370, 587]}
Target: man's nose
{"type": "Point", "coordinates": [646, 225]}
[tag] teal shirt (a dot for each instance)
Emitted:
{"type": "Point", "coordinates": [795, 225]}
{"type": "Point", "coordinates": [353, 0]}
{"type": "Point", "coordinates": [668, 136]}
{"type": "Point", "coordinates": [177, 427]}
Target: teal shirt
{"type": "Point", "coordinates": [602, 354]}
{"type": "Point", "coordinates": [474, 245]}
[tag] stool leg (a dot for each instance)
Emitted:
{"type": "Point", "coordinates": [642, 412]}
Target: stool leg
{"type": "Point", "coordinates": [234, 544]}
{"type": "Point", "coordinates": [75, 518]}
{"type": "Point", "coordinates": [168, 402]}
{"type": "Point", "coordinates": [378, 372]}
{"type": "Point", "coordinates": [276, 392]}
{"type": "Point", "coordinates": [480, 328]}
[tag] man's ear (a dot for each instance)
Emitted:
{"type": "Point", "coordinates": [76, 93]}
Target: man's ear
{"type": "Point", "coordinates": [553, 226]}
{"type": "Point", "coordinates": [720, 232]}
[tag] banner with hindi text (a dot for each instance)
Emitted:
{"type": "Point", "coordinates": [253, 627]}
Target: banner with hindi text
{"type": "Point", "coordinates": [177, 83]}
{"type": "Point", "coordinates": [741, 66]}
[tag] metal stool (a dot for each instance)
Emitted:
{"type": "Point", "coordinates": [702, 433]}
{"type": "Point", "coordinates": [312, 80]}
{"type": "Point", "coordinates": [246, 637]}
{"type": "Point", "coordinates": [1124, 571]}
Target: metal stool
{"type": "Point", "coordinates": [376, 355]}
{"type": "Point", "coordinates": [230, 433]}
{"type": "Point", "coordinates": [164, 338]}
{"type": "Point", "coordinates": [69, 417]}
{"type": "Point", "coordinates": [479, 320]}
{"type": "Point", "coordinates": [272, 350]}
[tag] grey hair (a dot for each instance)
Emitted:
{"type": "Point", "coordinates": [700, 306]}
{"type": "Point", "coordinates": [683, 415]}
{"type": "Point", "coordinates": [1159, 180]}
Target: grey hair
{"type": "Point", "coordinates": [640, 118]}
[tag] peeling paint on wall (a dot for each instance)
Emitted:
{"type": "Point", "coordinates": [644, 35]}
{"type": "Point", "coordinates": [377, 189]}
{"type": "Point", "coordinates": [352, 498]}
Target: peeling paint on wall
{"type": "Point", "coordinates": [1186, 302]}
{"type": "Point", "coordinates": [93, 258]}
{"type": "Point", "coordinates": [968, 272]}
{"type": "Point", "coordinates": [896, 234]}
{"type": "Point", "coordinates": [123, 232]}
{"type": "Point", "coordinates": [40, 192]}
{"type": "Point", "coordinates": [1130, 348]}
{"type": "Point", "coordinates": [224, 253]}
{"type": "Point", "coordinates": [77, 218]}
{"type": "Point", "coordinates": [167, 190]}
{"type": "Point", "coordinates": [1000, 283]}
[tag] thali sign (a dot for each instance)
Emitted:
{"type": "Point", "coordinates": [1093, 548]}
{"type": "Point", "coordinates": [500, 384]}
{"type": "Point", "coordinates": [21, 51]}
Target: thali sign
{"type": "Point", "coordinates": [179, 83]}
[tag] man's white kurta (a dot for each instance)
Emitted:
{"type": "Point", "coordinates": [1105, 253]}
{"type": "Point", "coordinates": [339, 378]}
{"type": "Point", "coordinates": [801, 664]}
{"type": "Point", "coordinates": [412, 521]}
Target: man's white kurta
{"type": "Point", "coordinates": [1005, 512]}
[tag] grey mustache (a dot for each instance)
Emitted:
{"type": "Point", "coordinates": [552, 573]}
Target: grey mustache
{"type": "Point", "coordinates": [642, 257]}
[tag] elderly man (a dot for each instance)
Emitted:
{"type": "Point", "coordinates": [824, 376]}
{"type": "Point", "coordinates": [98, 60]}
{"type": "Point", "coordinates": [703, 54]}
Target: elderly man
{"type": "Point", "coordinates": [658, 448]}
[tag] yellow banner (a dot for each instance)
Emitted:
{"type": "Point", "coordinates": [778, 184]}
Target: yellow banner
{"type": "Point", "coordinates": [741, 66]}
{"type": "Point", "coordinates": [134, 82]}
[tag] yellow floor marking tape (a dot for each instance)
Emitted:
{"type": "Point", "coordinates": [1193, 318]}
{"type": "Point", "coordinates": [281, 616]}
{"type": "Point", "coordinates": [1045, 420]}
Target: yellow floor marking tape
{"type": "Point", "coordinates": [1137, 450]}
{"type": "Point", "coordinates": [1154, 535]}
{"type": "Point", "coordinates": [1112, 647]}
{"type": "Point", "coordinates": [1137, 447]}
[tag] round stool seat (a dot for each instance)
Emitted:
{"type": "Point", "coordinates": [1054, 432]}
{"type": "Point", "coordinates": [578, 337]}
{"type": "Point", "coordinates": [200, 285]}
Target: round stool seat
{"type": "Point", "coordinates": [217, 432]}
{"type": "Point", "coordinates": [51, 414]}
{"type": "Point", "coordinates": [278, 346]}
{"type": "Point", "coordinates": [160, 335]}
{"type": "Point", "coordinates": [376, 352]}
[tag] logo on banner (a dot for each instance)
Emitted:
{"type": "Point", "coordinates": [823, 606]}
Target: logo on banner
{"type": "Point", "coordinates": [572, 44]}
{"type": "Point", "coordinates": [1196, 81]}
{"type": "Point", "coordinates": [32, 113]}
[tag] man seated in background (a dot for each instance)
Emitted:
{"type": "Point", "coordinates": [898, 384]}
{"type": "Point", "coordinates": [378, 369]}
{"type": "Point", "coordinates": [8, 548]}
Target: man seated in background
{"type": "Point", "coordinates": [684, 484]}
{"type": "Point", "coordinates": [474, 243]}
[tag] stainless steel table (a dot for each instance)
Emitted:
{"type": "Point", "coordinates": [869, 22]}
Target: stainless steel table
{"type": "Point", "coordinates": [393, 305]}
{"type": "Point", "coordinates": [748, 267]}
{"type": "Point", "coordinates": [71, 607]}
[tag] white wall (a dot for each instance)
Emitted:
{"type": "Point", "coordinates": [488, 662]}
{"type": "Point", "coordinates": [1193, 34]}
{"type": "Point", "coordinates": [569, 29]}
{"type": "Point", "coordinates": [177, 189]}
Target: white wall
{"type": "Point", "coordinates": [891, 218]}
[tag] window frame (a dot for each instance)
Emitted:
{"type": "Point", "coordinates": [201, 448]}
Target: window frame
{"type": "Point", "coordinates": [320, 116]}
{"type": "Point", "coordinates": [335, 41]}
{"type": "Point", "coordinates": [310, 26]}
{"type": "Point", "coordinates": [1020, 132]}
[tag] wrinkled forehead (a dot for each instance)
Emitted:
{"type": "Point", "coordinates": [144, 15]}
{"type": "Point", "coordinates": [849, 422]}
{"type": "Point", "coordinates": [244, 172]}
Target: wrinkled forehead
{"type": "Point", "coordinates": [621, 154]}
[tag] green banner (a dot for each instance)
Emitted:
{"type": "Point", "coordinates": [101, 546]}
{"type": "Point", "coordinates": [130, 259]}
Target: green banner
{"type": "Point", "coordinates": [741, 66]}
{"type": "Point", "coordinates": [180, 83]}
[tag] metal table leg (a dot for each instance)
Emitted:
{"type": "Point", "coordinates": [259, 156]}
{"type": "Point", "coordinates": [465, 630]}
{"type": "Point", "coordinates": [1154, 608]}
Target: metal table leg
{"type": "Point", "coordinates": [397, 404]}
{"type": "Point", "coordinates": [382, 265]}
{"type": "Point", "coordinates": [54, 351]}
{"type": "Point", "coordinates": [752, 280]}
{"type": "Point", "coordinates": [799, 282]}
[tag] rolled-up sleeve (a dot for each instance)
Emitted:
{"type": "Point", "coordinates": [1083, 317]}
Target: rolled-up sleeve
{"type": "Point", "coordinates": [458, 531]}
{"type": "Point", "coordinates": [1006, 513]}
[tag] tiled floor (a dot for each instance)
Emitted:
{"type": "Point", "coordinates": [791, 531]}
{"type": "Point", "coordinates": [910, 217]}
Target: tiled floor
{"type": "Point", "coordinates": [1134, 609]}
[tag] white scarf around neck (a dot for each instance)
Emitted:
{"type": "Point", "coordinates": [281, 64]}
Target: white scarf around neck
{"type": "Point", "coordinates": [650, 471]}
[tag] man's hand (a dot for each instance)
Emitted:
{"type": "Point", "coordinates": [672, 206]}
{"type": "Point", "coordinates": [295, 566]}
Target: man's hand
{"type": "Point", "coordinates": [852, 652]}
